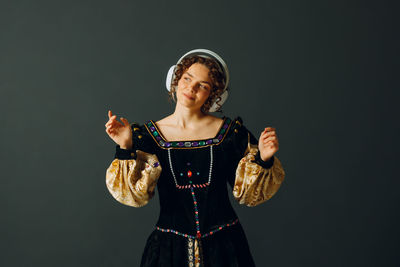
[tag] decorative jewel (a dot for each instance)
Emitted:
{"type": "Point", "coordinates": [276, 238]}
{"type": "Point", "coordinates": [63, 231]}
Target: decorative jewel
{"type": "Point", "coordinates": [191, 186]}
{"type": "Point", "coordinates": [189, 173]}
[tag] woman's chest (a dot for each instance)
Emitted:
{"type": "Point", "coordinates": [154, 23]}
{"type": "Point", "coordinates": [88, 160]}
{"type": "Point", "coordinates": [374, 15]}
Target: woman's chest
{"type": "Point", "coordinates": [204, 167]}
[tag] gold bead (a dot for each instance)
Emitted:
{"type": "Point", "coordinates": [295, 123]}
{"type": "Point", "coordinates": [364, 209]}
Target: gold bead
{"type": "Point", "coordinates": [132, 154]}
{"type": "Point", "coordinates": [136, 129]}
{"type": "Point", "coordinates": [236, 130]}
{"type": "Point", "coordinates": [140, 137]}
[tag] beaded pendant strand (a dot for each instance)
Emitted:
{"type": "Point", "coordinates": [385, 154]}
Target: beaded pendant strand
{"type": "Point", "coordinates": [191, 185]}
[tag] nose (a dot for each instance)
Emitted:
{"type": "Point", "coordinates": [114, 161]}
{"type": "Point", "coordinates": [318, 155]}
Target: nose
{"type": "Point", "coordinates": [192, 86]}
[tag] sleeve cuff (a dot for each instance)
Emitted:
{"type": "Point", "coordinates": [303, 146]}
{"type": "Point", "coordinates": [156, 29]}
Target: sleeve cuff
{"type": "Point", "coordinates": [265, 164]}
{"type": "Point", "coordinates": [121, 153]}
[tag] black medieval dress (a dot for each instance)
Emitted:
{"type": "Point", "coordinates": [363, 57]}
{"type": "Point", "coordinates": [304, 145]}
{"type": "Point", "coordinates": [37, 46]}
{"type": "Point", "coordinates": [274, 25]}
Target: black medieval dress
{"type": "Point", "coordinates": [197, 225]}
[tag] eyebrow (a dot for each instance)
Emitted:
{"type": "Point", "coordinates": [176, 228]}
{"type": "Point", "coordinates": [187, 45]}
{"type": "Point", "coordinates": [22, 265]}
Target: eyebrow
{"type": "Point", "coordinates": [200, 81]}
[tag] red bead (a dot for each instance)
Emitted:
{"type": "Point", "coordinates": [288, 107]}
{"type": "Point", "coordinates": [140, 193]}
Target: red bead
{"type": "Point", "coordinates": [198, 235]}
{"type": "Point", "coordinates": [189, 174]}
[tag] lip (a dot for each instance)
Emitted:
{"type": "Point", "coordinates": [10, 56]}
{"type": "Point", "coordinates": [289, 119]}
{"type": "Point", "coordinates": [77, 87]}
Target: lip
{"type": "Point", "coordinates": [189, 97]}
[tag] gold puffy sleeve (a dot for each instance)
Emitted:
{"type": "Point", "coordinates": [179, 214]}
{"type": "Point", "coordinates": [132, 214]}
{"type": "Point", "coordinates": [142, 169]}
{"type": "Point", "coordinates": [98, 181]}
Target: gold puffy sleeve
{"type": "Point", "coordinates": [132, 181]}
{"type": "Point", "coordinates": [255, 181]}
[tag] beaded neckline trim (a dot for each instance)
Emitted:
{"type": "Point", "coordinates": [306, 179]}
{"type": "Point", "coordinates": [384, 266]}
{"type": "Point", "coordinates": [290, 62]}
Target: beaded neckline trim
{"type": "Point", "coordinates": [163, 143]}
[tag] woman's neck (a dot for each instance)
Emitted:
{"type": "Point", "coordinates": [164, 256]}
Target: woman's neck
{"type": "Point", "coordinates": [184, 117]}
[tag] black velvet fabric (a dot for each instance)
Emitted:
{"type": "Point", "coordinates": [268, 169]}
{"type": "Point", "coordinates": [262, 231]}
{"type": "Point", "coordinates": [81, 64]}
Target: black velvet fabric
{"type": "Point", "coordinates": [226, 247]}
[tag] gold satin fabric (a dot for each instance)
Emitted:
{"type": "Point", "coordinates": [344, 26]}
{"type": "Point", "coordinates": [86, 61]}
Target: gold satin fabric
{"type": "Point", "coordinates": [132, 182]}
{"type": "Point", "coordinates": [254, 184]}
{"type": "Point", "coordinates": [196, 253]}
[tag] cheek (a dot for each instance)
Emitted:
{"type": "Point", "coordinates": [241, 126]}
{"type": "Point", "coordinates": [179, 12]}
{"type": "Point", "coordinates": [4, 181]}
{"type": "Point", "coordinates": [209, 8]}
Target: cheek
{"type": "Point", "coordinates": [179, 86]}
{"type": "Point", "coordinates": [205, 95]}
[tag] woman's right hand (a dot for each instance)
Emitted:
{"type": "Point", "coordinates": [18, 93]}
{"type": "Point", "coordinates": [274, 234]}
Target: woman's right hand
{"type": "Point", "coordinates": [120, 133]}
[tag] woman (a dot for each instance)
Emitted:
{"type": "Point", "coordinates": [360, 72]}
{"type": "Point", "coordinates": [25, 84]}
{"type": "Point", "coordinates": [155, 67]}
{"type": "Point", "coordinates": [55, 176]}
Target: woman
{"type": "Point", "coordinates": [191, 156]}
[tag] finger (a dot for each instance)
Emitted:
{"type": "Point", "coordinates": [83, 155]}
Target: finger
{"type": "Point", "coordinates": [110, 130]}
{"type": "Point", "coordinates": [270, 142]}
{"type": "Point", "coordinates": [273, 132]}
{"type": "Point", "coordinates": [109, 114]}
{"type": "Point", "coordinates": [270, 138]}
{"type": "Point", "coordinates": [267, 135]}
{"type": "Point", "coordinates": [125, 121]}
{"type": "Point", "coordinates": [269, 129]}
{"type": "Point", "coordinates": [110, 122]}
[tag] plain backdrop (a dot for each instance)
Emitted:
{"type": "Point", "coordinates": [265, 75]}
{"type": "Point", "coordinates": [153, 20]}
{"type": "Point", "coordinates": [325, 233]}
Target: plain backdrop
{"type": "Point", "coordinates": [324, 73]}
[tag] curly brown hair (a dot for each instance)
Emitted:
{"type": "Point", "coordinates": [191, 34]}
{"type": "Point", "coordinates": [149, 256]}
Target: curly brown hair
{"type": "Point", "coordinates": [216, 75]}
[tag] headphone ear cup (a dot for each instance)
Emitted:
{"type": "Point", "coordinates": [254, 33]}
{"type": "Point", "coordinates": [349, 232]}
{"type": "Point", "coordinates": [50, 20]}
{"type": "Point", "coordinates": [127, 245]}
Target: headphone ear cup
{"type": "Point", "coordinates": [170, 77]}
{"type": "Point", "coordinates": [216, 105]}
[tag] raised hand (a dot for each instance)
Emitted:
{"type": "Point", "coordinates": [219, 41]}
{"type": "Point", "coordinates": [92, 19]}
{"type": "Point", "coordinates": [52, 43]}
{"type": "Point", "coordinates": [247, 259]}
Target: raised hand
{"type": "Point", "coordinates": [268, 143]}
{"type": "Point", "coordinates": [120, 133]}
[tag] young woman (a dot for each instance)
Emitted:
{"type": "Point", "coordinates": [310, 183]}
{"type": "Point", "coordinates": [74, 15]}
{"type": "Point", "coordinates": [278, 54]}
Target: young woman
{"type": "Point", "coordinates": [191, 156]}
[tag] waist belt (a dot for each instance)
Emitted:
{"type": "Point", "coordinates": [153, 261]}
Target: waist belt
{"type": "Point", "coordinates": [194, 248]}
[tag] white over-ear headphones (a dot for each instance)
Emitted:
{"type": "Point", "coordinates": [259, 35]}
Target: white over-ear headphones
{"type": "Point", "coordinates": [206, 54]}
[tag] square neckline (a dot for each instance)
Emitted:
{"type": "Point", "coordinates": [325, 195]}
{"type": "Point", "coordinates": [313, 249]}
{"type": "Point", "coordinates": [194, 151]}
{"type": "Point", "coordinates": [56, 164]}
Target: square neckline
{"type": "Point", "coordinates": [159, 138]}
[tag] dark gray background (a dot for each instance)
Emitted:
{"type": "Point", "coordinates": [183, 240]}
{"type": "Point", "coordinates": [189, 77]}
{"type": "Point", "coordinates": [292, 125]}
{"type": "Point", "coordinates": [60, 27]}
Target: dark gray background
{"type": "Point", "coordinates": [324, 73]}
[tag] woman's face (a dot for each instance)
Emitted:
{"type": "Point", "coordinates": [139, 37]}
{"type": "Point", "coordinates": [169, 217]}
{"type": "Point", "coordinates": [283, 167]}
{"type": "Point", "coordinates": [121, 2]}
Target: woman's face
{"type": "Point", "coordinates": [194, 86]}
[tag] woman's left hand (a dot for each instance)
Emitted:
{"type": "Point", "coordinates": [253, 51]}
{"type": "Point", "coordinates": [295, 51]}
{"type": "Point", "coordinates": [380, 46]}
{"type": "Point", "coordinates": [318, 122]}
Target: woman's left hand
{"type": "Point", "coordinates": [268, 143]}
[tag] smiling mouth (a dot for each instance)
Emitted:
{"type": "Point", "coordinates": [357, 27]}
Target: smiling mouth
{"type": "Point", "coordinates": [191, 98]}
